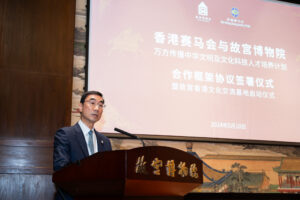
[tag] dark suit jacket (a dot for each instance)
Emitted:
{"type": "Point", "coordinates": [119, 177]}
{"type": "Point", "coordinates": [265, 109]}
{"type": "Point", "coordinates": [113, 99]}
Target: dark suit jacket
{"type": "Point", "coordinates": [70, 147]}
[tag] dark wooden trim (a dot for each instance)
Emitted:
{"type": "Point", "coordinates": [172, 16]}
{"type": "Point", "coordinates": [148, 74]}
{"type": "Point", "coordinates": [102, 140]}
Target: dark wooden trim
{"type": "Point", "coordinates": [26, 170]}
{"type": "Point", "coordinates": [48, 143]}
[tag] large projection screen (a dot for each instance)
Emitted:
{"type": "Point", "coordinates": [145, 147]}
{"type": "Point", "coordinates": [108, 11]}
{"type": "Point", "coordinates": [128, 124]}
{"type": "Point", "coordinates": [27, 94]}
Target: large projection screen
{"type": "Point", "coordinates": [225, 69]}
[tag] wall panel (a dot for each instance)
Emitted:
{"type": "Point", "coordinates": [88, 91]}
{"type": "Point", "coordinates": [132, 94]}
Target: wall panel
{"type": "Point", "coordinates": [36, 61]}
{"type": "Point", "coordinates": [26, 187]}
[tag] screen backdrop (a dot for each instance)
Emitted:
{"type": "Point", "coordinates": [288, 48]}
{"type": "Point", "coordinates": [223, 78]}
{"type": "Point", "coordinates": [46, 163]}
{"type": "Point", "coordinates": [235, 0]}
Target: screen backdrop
{"type": "Point", "coordinates": [216, 69]}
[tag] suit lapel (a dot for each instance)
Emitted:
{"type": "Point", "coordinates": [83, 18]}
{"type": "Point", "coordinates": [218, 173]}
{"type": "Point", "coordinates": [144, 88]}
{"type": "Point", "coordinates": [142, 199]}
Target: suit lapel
{"type": "Point", "coordinates": [81, 140]}
{"type": "Point", "coordinates": [100, 141]}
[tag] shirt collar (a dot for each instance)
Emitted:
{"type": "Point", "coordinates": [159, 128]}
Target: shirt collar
{"type": "Point", "coordinates": [84, 127]}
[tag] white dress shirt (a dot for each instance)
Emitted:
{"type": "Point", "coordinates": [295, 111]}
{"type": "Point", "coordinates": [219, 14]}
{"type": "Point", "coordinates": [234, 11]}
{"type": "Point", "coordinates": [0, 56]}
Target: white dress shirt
{"type": "Point", "coordinates": [85, 131]}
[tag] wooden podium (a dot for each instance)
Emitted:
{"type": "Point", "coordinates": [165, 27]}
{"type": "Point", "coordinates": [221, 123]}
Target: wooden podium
{"type": "Point", "coordinates": [152, 172]}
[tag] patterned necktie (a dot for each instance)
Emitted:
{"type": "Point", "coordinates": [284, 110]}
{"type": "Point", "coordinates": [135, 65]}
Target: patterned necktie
{"type": "Point", "coordinates": [91, 142]}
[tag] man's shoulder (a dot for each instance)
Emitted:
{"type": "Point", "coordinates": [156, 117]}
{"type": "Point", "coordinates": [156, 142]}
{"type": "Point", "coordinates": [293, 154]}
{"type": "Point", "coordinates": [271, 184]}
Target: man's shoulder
{"type": "Point", "coordinates": [69, 130]}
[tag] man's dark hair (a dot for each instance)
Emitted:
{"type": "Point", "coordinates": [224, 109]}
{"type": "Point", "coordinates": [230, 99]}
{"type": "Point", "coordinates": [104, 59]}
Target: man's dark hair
{"type": "Point", "coordinates": [84, 96]}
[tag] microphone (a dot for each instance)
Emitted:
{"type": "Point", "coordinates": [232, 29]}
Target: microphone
{"type": "Point", "coordinates": [130, 135]}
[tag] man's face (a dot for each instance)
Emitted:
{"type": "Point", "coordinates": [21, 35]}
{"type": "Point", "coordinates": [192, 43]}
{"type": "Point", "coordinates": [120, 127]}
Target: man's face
{"type": "Point", "coordinates": [91, 109]}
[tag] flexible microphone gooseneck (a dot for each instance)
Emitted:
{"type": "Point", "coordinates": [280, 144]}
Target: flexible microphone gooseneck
{"type": "Point", "coordinates": [129, 135]}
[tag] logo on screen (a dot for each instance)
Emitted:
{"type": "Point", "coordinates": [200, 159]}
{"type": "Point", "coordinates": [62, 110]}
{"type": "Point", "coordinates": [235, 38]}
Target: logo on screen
{"type": "Point", "coordinates": [202, 9]}
{"type": "Point", "coordinates": [235, 12]}
{"type": "Point", "coordinates": [203, 13]}
{"type": "Point", "coordinates": [235, 20]}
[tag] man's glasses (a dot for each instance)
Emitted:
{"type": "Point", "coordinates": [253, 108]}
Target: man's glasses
{"type": "Point", "coordinates": [94, 103]}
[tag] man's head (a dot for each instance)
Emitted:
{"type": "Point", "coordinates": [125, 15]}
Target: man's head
{"type": "Point", "coordinates": [86, 94]}
{"type": "Point", "coordinates": [91, 107]}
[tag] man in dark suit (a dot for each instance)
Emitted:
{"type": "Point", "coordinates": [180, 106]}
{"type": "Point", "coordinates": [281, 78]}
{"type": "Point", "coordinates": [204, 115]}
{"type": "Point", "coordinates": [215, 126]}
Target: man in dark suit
{"type": "Point", "coordinates": [74, 143]}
